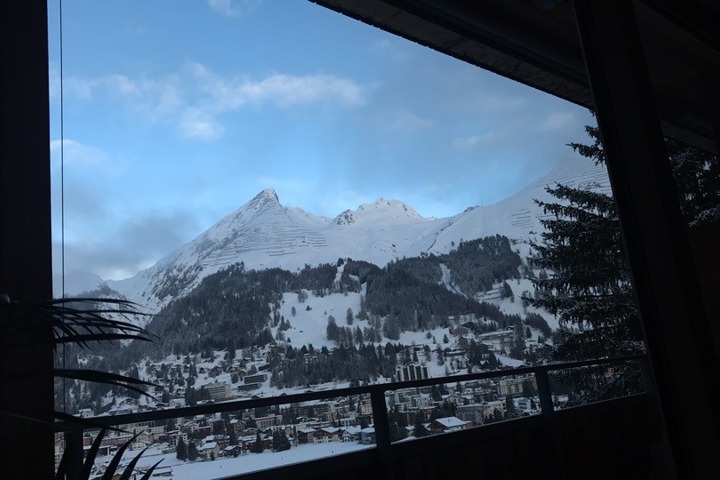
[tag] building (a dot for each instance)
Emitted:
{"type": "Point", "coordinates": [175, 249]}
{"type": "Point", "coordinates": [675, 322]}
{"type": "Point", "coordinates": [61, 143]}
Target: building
{"type": "Point", "coordinates": [263, 423]}
{"type": "Point", "coordinates": [411, 371]}
{"type": "Point", "coordinates": [208, 450]}
{"type": "Point", "coordinates": [473, 412]}
{"type": "Point", "coordinates": [448, 424]}
{"type": "Point", "coordinates": [306, 435]}
{"type": "Point", "coordinates": [218, 391]}
{"type": "Point", "coordinates": [367, 436]}
{"type": "Point", "coordinates": [255, 378]}
{"type": "Point", "coordinates": [510, 386]}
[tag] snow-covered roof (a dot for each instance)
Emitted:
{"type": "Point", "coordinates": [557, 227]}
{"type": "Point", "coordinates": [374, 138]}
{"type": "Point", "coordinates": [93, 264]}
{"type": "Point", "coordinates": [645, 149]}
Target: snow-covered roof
{"type": "Point", "coordinates": [449, 422]}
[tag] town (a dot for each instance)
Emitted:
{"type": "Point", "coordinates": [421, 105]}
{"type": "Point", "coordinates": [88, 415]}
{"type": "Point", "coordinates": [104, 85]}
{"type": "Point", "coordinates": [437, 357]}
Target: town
{"type": "Point", "coordinates": [219, 377]}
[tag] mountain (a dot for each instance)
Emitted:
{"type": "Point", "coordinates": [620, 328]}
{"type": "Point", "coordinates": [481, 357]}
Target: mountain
{"type": "Point", "coordinates": [265, 234]}
{"type": "Point", "coordinates": [76, 282]}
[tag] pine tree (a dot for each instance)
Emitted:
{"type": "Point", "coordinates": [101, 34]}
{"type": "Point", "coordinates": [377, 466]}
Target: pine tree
{"type": "Point", "coordinates": [697, 175]}
{"type": "Point", "coordinates": [590, 290]}
{"type": "Point", "coordinates": [332, 331]}
{"type": "Point", "coordinates": [258, 446]}
{"type": "Point", "coordinates": [280, 441]}
{"type": "Point", "coordinates": [419, 429]}
{"type": "Point", "coordinates": [181, 450]}
{"type": "Point", "coordinates": [510, 410]}
{"type": "Point", "coordinates": [192, 454]}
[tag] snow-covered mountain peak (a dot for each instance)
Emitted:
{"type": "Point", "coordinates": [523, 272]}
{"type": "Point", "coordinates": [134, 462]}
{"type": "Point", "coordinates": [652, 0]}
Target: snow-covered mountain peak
{"type": "Point", "coordinates": [345, 218]}
{"type": "Point", "coordinates": [267, 197]}
{"type": "Point", "coordinates": [379, 212]}
{"type": "Point", "coordinates": [383, 210]}
{"type": "Point", "coordinates": [264, 234]}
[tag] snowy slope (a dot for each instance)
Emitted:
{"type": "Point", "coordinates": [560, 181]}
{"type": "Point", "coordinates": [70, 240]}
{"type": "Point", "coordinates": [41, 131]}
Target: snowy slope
{"type": "Point", "coordinates": [265, 234]}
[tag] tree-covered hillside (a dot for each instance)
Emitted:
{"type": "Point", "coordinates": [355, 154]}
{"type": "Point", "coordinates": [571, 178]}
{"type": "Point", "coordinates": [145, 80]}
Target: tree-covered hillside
{"type": "Point", "coordinates": [237, 308]}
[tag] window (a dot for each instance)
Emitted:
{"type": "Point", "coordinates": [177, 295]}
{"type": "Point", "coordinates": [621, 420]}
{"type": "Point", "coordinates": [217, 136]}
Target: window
{"type": "Point", "coordinates": [310, 204]}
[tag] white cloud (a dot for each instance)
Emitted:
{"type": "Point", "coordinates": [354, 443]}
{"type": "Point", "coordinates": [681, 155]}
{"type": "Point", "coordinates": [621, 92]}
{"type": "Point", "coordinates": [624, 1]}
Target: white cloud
{"type": "Point", "coordinates": [288, 90]}
{"type": "Point", "coordinates": [77, 153]}
{"type": "Point", "coordinates": [122, 85]}
{"type": "Point", "coordinates": [233, 8]}
{"type": "Point", "coordinates": [403, 122]}
{"type": "Point", "coordinates": [503, 102]}
{"type": "Point", "coordinates": [556, 121]}
{"type": "Point", "coordinates": [200, 125]}
{"type": "Point", "coordinates": [281, 90]}
{"type": "Point", "coordinates": [54, 81]}
{"type": "Point", "coordinates": [472, 141]}
{"type": "Point", "coordinates": [195, 98]}
{"type": "Point", "coordinates": [487, 101]}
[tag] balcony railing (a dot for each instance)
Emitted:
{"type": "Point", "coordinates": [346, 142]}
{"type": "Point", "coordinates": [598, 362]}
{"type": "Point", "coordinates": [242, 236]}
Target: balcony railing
{"type": "Point", "coordinates": [380, 459]}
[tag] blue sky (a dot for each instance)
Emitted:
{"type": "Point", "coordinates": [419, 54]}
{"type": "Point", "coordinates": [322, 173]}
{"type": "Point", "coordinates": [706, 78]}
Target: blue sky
{"type": "Point", "coordinates": [177, 113]}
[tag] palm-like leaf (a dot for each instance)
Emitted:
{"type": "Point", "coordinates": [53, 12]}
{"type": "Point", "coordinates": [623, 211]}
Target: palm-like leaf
{"type": "Point", "coordinates": [148, 474]}
{"type": "Point", "coordinates": [110, 471]}
{"type": "Point", "coordinates": [109, 378]}
{"type": "Point", "coordinates": [111, 321]}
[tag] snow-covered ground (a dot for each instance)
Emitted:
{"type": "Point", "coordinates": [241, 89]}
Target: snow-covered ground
{"type": "Point", "coordinates": [243, 464]}
{"type": "Point", "coordinates": [309, 326]}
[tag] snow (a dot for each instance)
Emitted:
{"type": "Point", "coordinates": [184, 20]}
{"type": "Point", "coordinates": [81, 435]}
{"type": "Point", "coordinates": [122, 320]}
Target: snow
{"type": "Point", "coordinates": [309, 326]}
{"type": "Point", "coordinates": [252, 462]}
{"type": "Point", "coordinates": [510, 362]}
{"type": "Point", "coordinates": [265, 234]}
{"type": "Point", "coordinates": [451, 422]}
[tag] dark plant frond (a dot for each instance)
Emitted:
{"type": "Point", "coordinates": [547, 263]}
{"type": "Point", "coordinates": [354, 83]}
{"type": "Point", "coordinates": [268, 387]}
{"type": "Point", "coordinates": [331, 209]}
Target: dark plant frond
{"type": "Point", "coordinates": [92, 453]}
{"type": "Point", "coordinates": [108, 378]}
{"type": "Point", "coordinates": [110, 471]}
{"type": "Point", "coordinates": [82, 339]}
{"type": "Point", "coordinates": [71, 324]}
{"type": "Point", "coordinates": [131, 466]}
{"type": "Point", "coordinates": [150, 471]}
{"type": "Point", "coordinates": [62, 466]}
{"type": "Point", "coordinates": [40, 417]}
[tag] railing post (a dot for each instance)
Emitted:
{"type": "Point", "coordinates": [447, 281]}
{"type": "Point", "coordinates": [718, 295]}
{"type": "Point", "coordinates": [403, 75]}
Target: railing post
{"type": "Point", "coordinates": [543, 385]}
{"type": "Point", "coordinates": [382, 433]}
{"type": "Point", "coordinates": [74, 452]}
{"type": "Point", "coordinates": [547, 408]}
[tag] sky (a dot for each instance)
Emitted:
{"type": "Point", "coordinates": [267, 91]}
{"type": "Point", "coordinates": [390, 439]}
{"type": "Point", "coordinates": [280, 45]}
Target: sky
{"type": "Point", "coordinates": [174, 114]}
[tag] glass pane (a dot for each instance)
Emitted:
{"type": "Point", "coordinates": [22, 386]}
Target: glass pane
{"type": "Point", "coordinates": [305, 203]}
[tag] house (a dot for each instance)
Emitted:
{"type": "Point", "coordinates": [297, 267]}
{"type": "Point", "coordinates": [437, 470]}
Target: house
{"type": "Point", "coordinates": [459, 331]}
{"type": "Point", "coordinates": [306, 435]}
{"type": "Point", "coordinates": [232, 451]}
{"type": "Point", "coordinates": [351, 434]}
{"type": "Point", "coordinates": [238, 426]}
{"type": "Point", "coordinates": [367, 436]}
{"type": "Point", "coordinates": [328, 434]}
{"type": "Point", "coordinates": [448, 424]}
{"type": "Point", "coordinates": [472, 412]}
{"type": "Point", "coordinates": [208, 450]}
{"type": "Point", "coordinates": [161, 472]}
{"type": "Point", "coordinates": [268, 421]}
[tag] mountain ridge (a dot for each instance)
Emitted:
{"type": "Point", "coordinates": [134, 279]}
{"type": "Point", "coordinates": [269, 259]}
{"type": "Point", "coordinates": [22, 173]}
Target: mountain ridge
{"type": "Point", "coordinates": [265, 234]}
